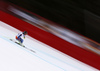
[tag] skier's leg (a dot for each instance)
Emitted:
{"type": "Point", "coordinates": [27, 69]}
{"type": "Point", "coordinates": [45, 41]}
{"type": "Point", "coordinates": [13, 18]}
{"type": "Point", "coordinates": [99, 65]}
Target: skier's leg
{"type": "Point", "coordinates": [21, 40]}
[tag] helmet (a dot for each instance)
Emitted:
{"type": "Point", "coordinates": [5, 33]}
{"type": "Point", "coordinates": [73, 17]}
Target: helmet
{"type": "Point", "coordinates": [25, 32]}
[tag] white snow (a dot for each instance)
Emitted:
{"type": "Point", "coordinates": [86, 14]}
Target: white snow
{"type": "Point", "coordinates": [16, 58]}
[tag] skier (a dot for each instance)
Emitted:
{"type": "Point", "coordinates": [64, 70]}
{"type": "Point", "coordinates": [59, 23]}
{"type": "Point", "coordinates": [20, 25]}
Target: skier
{"type": "Point", "coordinates": [20, 36]}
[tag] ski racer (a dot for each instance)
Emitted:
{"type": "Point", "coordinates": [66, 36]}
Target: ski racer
{"type": "Point", "coordinates": [21, 36]}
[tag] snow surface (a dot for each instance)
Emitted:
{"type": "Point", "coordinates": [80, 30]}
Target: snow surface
{"type": "Point", "coordinates": [16, 58]}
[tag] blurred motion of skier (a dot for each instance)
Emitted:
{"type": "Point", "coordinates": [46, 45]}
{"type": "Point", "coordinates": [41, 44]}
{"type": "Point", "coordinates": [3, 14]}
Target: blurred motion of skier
{"type": "Point", "coordinates": [21, 36]}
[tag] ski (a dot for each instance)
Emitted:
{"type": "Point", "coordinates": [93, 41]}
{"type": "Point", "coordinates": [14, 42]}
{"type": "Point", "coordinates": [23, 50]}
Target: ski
{"type": "Point", "coordinates": [23, 46]}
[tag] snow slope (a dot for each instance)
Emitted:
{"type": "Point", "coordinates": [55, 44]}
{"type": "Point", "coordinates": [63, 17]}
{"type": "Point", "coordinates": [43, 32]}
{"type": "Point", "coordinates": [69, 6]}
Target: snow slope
{"type": "Point", "coordinates": [16, 58]}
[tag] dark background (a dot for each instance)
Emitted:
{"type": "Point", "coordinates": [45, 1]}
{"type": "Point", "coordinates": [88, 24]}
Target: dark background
{"type": "Point", "coordinates": [78, 15]}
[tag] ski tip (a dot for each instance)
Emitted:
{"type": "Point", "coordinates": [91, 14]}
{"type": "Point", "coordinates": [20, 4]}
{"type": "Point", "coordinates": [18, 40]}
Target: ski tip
{"type": "Point", "coordinates": [33, 51]}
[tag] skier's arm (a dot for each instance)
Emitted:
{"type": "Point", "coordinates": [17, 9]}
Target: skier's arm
{"type": "Point", "coordinates": [24, 36]}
